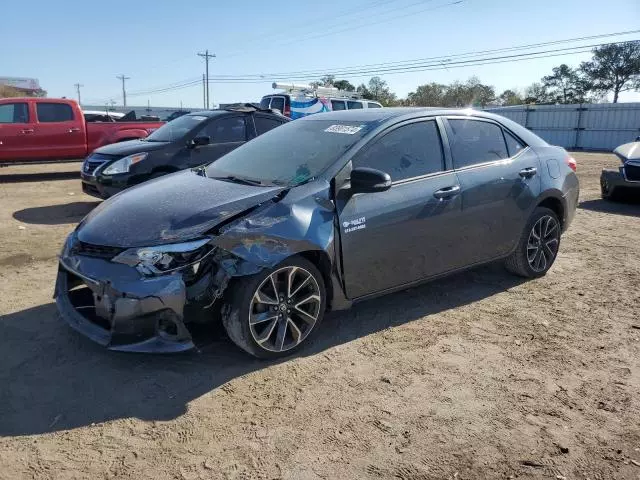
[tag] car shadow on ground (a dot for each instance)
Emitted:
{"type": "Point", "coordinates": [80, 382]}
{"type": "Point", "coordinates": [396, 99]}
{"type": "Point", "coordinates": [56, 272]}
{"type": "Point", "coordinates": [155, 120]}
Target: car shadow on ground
{"type": "Point", "coordinates": [54, 379]}
{"type": "Point", "coordinates": [38, 177]}
{"type": "Point", "coordinates": [629, 207]}
{"type": "Point", "coordinates": [55, 214]}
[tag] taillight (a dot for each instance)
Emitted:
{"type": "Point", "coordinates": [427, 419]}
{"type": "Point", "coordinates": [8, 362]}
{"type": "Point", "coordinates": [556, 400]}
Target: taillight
{"type": "Point", "coordinates": [571, 162]}
{"type": "Point", "coordinates": [287, 111]}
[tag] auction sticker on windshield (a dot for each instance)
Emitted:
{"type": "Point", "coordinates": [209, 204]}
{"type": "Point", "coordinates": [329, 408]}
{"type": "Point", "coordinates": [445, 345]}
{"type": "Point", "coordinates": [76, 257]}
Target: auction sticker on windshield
{"type": "Point", "coordinates": [348, 129]}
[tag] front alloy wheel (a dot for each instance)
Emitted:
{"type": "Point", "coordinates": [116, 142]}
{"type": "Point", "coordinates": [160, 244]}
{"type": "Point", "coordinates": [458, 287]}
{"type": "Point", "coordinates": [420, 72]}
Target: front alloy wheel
{"type": "Point", "coordinates": [272, 313]}
{"type": "Point", "coordinates": [284, 309]}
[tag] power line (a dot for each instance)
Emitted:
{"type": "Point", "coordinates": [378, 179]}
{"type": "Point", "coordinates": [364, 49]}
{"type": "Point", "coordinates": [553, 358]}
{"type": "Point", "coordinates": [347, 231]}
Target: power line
{"type": "Point", "coordinates": [124, 91]}
{"type": "Point", "coordinates": [330, 25]}
{"type": "Point", "coordinates": [368, 23]}
{"type": "Point", "coordinates": [324, 71]}
{"type": "Point", "coordinates": [206, 57]}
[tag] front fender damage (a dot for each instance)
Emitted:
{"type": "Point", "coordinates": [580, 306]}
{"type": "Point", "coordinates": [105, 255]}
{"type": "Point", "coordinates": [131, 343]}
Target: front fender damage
{"type": "Point", "coordinates": [274, 231]}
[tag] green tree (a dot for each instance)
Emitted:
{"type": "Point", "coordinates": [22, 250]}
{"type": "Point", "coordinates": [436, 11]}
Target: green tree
{"type": "Point", "coordinates": [564, 85]}
{"type": "Point", "coordinates": [536, 93]}
{"type": "Point", "coordinates": [327, 80]}
{"type": "Point", "coordinates": [613, 68]}
{"type": "Point", "coordinates": [509, 97]}
{"type": "Point", "coordinates": [377, 89]}
{"type": "Point", "coordinates": [429, 95]}
{"type": "Point", "coordinates": [344, 85]}
{"type": "Point", "coordinates": [468, 94]}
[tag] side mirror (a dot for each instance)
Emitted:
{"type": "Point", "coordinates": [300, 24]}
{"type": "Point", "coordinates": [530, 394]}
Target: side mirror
{"type": "Point", "coordinates": [200, 141]}
{"type": "Point", "coordinates": [368, 180]}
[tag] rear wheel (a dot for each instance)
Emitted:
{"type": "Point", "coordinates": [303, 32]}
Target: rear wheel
{"type": "Point", "coordinates": [273, 313]}
{"type": "Point", "coordinates": [538, 246]}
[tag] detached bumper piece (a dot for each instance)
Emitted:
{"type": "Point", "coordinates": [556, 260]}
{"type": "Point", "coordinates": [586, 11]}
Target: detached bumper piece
{"type": "Point", "coordinates": [134, 316]}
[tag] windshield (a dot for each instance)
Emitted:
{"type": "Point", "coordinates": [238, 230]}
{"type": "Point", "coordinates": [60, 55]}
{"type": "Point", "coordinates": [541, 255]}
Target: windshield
{"type": "Point", "coordinates": [176, 129]}
{"type": "Point", "coordinates": [290, 154]}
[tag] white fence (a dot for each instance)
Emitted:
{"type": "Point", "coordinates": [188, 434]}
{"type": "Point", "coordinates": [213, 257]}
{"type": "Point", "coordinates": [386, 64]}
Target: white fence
{"type": "Point", "coordinates": [587, 126]}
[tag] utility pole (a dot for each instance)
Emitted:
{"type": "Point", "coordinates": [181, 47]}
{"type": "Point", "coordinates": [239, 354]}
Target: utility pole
{"type": "Point", "coordinates": [206, 57]}
{"type": "Point", "coordinates": [124, 92]}
{"type": "Point", "coordinates": [78, 85]}
{"type": "Point", "coordinates": [204, 93]}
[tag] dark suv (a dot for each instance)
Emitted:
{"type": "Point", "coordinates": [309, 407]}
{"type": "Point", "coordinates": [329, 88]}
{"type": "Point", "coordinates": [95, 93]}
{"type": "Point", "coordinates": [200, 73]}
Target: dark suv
{"type": "Point", "coordinates": [190, 140]}
{"type": "Point", "coordinates": [318, 214]}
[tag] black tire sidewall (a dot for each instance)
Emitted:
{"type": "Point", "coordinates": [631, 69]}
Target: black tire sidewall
{"type": "Point", "coordinates": [236, 309]}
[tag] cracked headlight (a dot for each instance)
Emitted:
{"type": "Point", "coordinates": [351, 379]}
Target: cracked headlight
{"type": "Point", "coordinates": [168, 258]}
{"type": "Point", "coordinates": [124, 164]}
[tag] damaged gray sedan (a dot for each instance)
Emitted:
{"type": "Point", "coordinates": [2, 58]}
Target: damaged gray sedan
{"type": "Point", "coordinates": [309, 217]}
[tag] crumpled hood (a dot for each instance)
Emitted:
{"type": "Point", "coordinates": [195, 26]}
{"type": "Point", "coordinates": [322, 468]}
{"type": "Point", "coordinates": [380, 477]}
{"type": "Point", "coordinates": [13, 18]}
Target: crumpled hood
{"type": "Point", "coordinates": [169, 209]}
{"type": "Point", "coordinates": [122, 149]}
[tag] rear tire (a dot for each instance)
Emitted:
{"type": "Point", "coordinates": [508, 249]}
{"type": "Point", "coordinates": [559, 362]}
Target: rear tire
{"type": "Point", "coordinates": [273, 313]}
{"type": "Point", "coordinates": [538, 245]}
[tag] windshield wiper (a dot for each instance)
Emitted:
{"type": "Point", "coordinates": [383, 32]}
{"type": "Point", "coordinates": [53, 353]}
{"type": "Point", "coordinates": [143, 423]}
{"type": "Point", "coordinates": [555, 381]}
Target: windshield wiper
{"type": "Point", "coordinates": [245, 181]}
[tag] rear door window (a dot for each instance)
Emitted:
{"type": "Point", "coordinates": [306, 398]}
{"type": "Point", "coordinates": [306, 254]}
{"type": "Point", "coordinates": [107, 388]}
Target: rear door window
{"type": "Point", "coordinates": [354, 105]}
{"type": "Point", "coordinates": [408, 151]}
{"type": "Point", "coordinates": [54, 112]}
{"type": "Point", "coordinates": [475, 141]}
{"type": "Point", "coordinates": [264, 124]}
{"type": "Point", "coordinates": [373, 105]}
{"type": "Point", "coordinates": [14, 113]}
{"type": "Point", "coordinates": [338, 105]}
{"type": "Point", "coordinates": [226, 130]}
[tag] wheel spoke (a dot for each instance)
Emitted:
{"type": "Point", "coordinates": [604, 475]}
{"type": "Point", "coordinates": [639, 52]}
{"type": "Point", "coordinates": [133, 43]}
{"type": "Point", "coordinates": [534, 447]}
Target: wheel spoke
{"type": "Point", "coordinates": [281, 335]}
{"type": "Point", "coordinates": [257, 318]}
{"type": "Point", "coordinates": [260, 297]}
{"type": "Point", "coordinates": [295, 331]}
{"type": "Point", "coordinates": [269, 330]}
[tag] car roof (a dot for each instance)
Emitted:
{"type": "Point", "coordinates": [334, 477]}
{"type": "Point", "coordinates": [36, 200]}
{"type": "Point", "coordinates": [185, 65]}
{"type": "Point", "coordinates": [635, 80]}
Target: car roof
{"type": "Point", "coordinates": [234, 109]}
{"type": "Point", "coordinates": [382, 115]}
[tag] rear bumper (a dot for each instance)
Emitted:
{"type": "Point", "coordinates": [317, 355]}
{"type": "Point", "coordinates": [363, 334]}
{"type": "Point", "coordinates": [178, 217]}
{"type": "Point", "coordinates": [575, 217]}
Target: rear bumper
{"type": "Point", "coordinates": [113, 306]}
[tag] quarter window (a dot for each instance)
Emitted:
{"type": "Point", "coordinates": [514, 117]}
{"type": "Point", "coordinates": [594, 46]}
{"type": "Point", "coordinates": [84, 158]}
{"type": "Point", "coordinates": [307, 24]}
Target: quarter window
{"type": "Point", "coordinates": [277, 103]}
{"type": "Point", "coordinates": [373, 105]}
{"type": "Point", "coordinates": [514, 145]}
{"type": "Point", "coordinates": [226, 130]}
{"type": "Point", "coordinates": [406, 152]}
{"type": "Point", "coordinates": [476, 142]}
{"type": "Point", "coordinates": [14, 113]}
{"type": "Point", "coordinates": [54, 112]}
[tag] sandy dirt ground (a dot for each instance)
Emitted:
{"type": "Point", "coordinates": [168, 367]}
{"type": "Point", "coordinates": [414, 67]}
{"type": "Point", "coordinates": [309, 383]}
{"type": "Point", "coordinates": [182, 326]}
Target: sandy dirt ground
{"type": "Point", "coordinates": [480, 375]}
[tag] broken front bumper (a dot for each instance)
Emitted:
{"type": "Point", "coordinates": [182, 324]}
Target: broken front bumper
{"type": "Point", "coordinates": [116, 307]}
{"type": "Point", "coordinates": [619, 181]}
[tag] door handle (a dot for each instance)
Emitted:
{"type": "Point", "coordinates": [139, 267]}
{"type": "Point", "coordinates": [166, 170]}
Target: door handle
{"type": "Point", "coordinates": [74, 129]}
{"type": "Point", "coordinates": [27, 130]}
{"type": "Point", "coordinates": [528, 172]}
{"type": "Point", "coordinates": [447, 192]}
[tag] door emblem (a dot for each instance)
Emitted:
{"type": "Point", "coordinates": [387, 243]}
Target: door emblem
{"type": "Point", "coordinates": [355, 224]}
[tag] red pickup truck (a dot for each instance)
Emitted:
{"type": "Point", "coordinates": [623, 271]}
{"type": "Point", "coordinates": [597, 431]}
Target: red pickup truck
{"type": "Point", "coordinates": [49, 130]}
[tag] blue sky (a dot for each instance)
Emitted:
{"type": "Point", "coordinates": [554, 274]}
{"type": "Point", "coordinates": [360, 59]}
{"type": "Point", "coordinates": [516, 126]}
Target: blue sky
{"type": "Point", "coordinates": [155, 43]}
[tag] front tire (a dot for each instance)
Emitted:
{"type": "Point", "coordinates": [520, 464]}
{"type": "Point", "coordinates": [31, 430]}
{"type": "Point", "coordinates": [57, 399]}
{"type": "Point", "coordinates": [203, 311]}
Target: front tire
{"type": "Point", "coordinates": [273, 313]}
{"type": "Point", "coordinates": [606, 191]}
{"type": "Point", "coordinates": [538, 245]}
